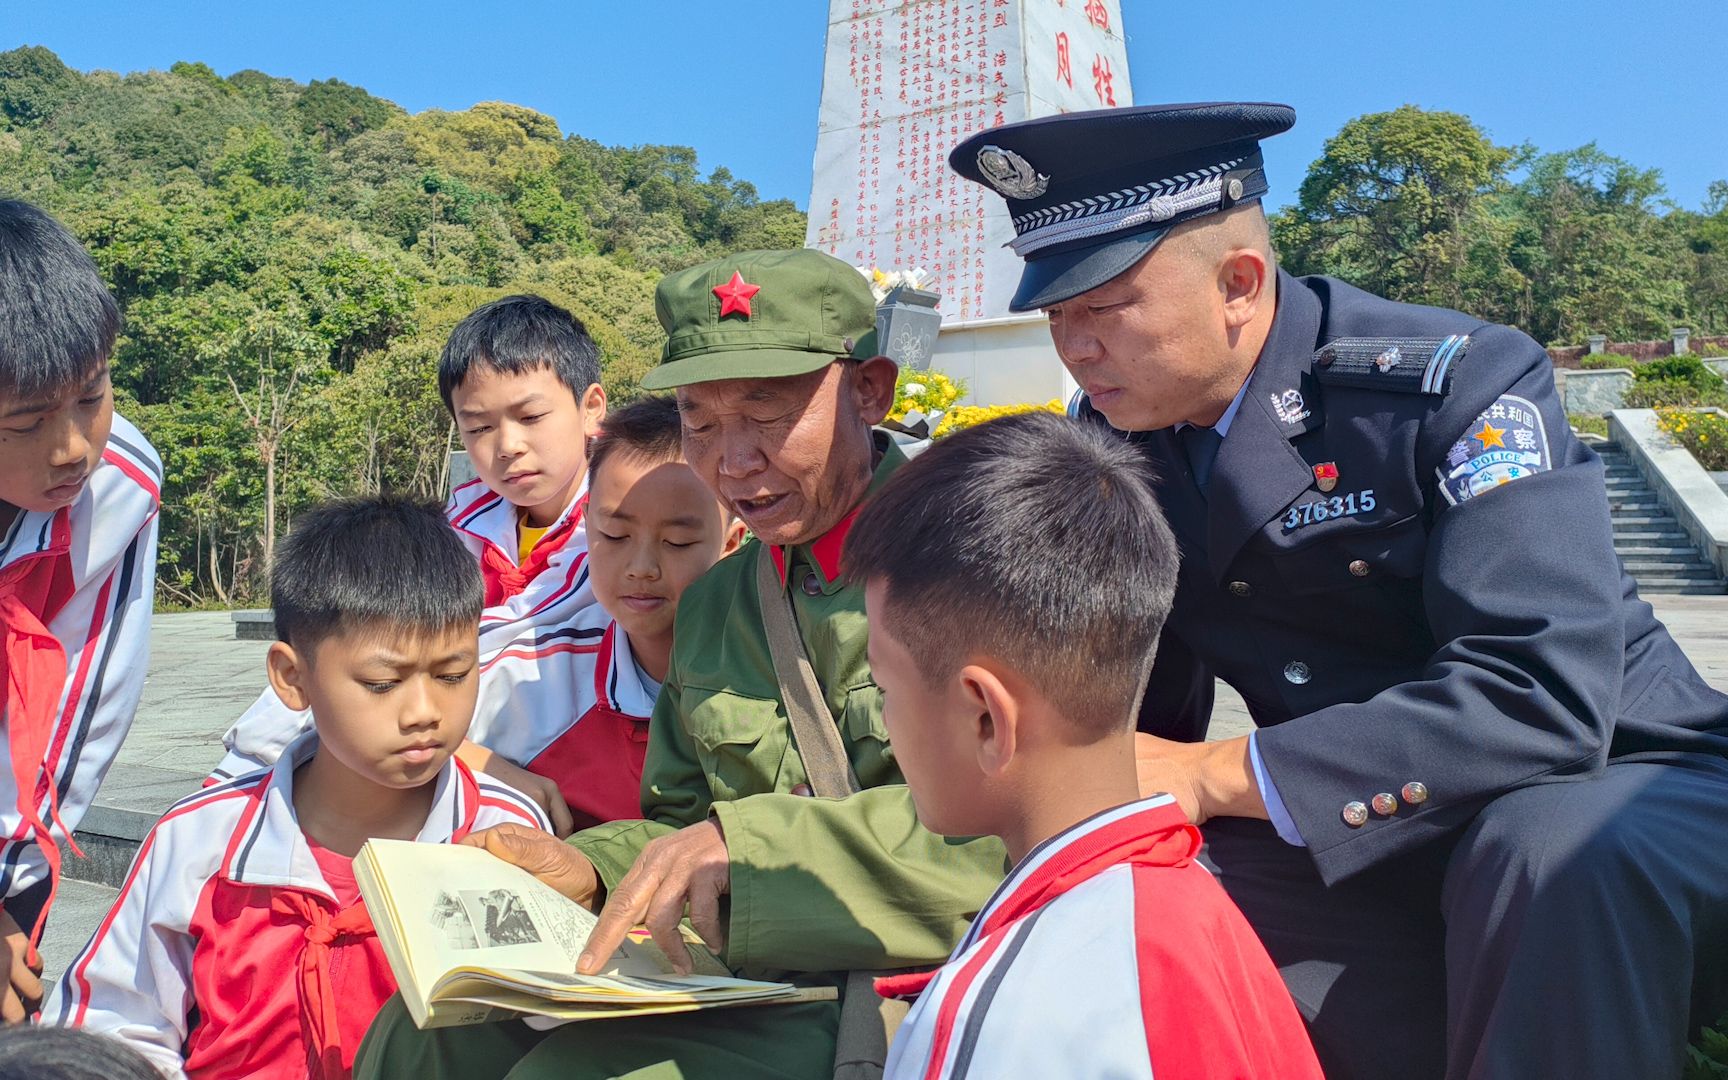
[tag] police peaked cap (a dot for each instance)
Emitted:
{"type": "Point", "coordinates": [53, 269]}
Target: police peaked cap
{"type": "Point", "coordinates": [1090, 193]}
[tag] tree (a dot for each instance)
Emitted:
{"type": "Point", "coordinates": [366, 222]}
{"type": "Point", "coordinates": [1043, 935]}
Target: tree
{"type": "Point", "coordinates": [1394, 204]}
{"type": "Point", "coordinates": [1597, 255]}
{"type": "Point", "coordinates": [33, 83]}
{"type": "Point", "coordinates": [290, 259]}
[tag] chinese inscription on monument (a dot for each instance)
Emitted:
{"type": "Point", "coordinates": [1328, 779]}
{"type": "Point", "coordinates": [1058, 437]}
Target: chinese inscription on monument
{"type": "Point", "coordinates": [904, 82]}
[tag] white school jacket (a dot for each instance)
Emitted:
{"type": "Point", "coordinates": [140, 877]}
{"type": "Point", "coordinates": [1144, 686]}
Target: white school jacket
{"type": "Point", "coordinates": [1108, 952]}
{"type": "Point", "coordinates": [102, 552]}
{"type": "Point", "coordinates": [196, 916]}
{"type": "Point", "coordinates": [550, 591]}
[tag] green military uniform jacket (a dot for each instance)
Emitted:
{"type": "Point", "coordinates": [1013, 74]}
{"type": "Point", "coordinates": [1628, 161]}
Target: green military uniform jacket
{"type": "Point", "coordinates": [817, 884]}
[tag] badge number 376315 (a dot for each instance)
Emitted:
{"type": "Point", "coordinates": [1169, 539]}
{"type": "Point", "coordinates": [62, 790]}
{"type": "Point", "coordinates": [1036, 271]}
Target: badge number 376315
{"type": "Point", "coordinates": [1309, 513]}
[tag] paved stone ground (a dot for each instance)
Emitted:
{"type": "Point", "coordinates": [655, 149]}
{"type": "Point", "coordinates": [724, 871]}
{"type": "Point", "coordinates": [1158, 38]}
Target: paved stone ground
{"type": "Point", "coordinates": [201, 679]}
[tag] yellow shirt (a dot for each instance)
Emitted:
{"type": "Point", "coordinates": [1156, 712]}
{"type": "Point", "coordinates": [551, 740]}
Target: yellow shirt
{"type": "Point", "coordinates": [526, 537]}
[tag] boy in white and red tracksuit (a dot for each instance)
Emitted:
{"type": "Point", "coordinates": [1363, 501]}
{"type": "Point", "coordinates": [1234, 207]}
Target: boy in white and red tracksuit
{"type": "Point", "coordinates": [570, 701]}
{"type": "Point", "coordinates": [79, 492]}
{"type": "Point", "coordinates": [239, 945]}
{"type": "Point", "coordinates": [1016, 577]}
{"type": "Point", "coordinates": [521, 378]}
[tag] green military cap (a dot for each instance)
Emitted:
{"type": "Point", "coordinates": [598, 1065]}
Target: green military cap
{"type": "Point", "coordinates": [760, 315]}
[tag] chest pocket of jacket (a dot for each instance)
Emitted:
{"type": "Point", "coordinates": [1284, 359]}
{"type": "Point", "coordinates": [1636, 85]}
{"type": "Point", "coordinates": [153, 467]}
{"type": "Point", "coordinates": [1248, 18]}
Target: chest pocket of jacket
{"type": "Point", "coordinates": [867, 738]}
{"type": "Point", "coordinates": [740, 741]}
{"type": "Point", "coordinates": [1352, 558]}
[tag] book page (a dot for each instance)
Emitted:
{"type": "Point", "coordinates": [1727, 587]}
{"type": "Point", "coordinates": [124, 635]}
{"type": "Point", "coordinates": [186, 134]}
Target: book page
{"type": "Point", "coordinates": [460, 908]}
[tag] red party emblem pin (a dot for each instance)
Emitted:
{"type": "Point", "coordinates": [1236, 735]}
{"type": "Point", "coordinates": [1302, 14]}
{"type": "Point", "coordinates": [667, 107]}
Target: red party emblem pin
{"type": "Point", "coordinates": [1326, 475]}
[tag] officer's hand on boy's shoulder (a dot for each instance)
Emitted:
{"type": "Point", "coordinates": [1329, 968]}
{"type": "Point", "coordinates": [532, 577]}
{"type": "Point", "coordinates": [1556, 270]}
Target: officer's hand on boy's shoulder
{"type": "Point", "coordinates": [23, 965]}
{"type": "Point", "coordinates": [545, 856]}
{"type": "Point", "coordinates": [1207, 779]}
{"type": "Point", "coordinates": [690, 868]}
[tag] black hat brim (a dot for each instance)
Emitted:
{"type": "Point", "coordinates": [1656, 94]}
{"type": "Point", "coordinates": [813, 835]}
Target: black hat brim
{"type": "Point", "coordinates": [1057, 276]}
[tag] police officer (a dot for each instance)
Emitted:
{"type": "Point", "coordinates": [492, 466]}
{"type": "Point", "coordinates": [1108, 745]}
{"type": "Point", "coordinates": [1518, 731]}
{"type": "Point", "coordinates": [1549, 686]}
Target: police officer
{"type": "Point", "coordinates": [1481, 822]}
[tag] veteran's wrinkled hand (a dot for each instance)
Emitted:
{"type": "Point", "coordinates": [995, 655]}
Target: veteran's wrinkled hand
{"type": "Point", "coordinates": [543, 855]}
{"type": "Point", "coordinates": [691, 868]}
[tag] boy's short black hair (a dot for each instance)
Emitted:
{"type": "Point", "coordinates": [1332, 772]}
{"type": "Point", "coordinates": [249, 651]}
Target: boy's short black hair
{"type": "Point", "coordinates": [517, 334]}
{"type": "Point", "coordinates": [58, 321]}
{"type": "Point", "coordinates": [1034, 540]}
{"type": "Point", "coordinates": [46, 1052]}
{"type": "Point", "coordinates": [382, 562]}
{"type": "Point", "coordinates": [647, 427]}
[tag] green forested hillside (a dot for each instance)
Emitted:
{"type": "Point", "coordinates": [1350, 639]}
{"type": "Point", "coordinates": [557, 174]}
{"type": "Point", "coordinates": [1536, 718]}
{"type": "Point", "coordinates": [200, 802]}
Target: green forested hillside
{"type": "Point", "coordinates": [290, 258]}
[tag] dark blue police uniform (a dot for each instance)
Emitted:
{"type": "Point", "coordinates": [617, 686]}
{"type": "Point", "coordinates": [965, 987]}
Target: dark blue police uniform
{"type": "Point", "coordinates": [1510, 784]}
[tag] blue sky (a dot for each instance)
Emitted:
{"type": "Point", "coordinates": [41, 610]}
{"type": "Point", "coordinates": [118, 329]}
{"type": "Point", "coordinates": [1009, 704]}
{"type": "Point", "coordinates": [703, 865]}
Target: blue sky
{"type": "Point", "coordinates": [740, 79]}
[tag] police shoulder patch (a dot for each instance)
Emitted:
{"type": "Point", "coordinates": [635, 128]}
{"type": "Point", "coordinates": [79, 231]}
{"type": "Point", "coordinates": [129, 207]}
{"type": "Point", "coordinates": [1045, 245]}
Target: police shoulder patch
{"type": "Point", "coordinates": [1407, 365]}
{"type": "Point", "coordinates": [1506, 442]}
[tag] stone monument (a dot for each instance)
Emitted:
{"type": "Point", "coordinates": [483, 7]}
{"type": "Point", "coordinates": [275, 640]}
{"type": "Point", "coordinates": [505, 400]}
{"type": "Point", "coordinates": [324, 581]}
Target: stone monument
{"type": "Point", "coordinates": [903, 83]}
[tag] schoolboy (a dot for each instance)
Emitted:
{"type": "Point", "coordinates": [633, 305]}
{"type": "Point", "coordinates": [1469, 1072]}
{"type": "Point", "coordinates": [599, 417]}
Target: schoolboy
{"type": "Point", "coordinates": [1016, 577]}
{"type": "Point", "coordinates": [79, 489]}
{"type": "Point", "coordinates": [239, 945]}
{"type": "Point", "coordinates": [521, 378]}
{"type": "Point", "coordinates": [571, 703]}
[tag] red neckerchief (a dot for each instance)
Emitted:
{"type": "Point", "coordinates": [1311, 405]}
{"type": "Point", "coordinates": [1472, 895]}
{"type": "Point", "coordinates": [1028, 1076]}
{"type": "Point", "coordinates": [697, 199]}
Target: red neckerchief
{"type": "Point", "coordinates": [32, 675]}
{"type": "Point", "coordinates": [505, 579]}
{"type": "Point", "coordinates": [317, 995]}
{"type": "Point", "coordinates": [1158, 836]}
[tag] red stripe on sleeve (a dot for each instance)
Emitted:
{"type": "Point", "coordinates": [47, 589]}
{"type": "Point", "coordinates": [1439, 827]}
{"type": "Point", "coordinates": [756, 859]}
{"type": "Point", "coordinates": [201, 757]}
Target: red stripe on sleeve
{"type": "Point", "coordinates": [138, 476]}
{"type": "Point", "coordinates": [952, 996]}
{"type": "Point", "coordinates": [81, 968]}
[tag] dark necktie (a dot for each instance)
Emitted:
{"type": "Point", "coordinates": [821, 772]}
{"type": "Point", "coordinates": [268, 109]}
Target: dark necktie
{"type": "Point", "coordinates": [1202, 445]}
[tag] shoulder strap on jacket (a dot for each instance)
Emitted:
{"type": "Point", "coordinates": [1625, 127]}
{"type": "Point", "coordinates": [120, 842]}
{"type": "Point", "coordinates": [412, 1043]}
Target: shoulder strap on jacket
{"type": "Point", "coordinates": [814, 732]}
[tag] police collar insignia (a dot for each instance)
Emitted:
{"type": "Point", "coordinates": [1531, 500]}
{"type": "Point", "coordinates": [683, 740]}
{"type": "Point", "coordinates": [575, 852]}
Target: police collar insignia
{"type": "Point", "coordinates": [1011, 174]}
{"type": "Point", "coordinates": [735, 295]}
{"type": "Point", "coordinates": [1387, 360]}
{"type": "Point", "coordinates": [1290, 407]}
{"type": "Point", "coordinates": [1326, 475]}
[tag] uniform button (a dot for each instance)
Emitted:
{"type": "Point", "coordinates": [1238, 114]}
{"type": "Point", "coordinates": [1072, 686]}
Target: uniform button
{"type": "Point", "coordinates": [1360, 568]}
{"type": "Point", "coordinates": [1296, 672]}
{"type": "Point", "coordinates": [1355, 814]}
{"type": "Point", "coordinates": [1415, 793]}
{"type": "Point", "coordinates": [1241, 588]}
{"type": "Point", "coordinates": [812, 584]}
{"type": "Point", "coordinates": [1327, 355]}
{"type": "Point", "coordinates": [1385, 804]}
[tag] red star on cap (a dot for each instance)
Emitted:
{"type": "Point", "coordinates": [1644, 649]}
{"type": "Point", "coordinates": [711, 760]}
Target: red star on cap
{"type": "Point", "coordinates": [735, 295]}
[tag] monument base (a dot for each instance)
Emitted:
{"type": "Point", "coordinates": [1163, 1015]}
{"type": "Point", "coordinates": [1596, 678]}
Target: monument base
{"type": "Point", "coordinates": [1006, 361]}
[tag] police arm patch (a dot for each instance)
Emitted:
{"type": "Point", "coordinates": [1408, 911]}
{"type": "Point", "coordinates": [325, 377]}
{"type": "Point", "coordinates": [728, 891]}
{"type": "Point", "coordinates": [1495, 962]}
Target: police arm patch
{"type": "Point", "coordinates": [1507, 442]}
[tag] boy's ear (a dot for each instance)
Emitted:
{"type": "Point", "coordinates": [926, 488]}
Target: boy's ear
{"type": "Point", "coordinates": [995, 729]}
{"type": "Point", "coordinates": [735, 531]}
{"type": "Point", "coordinates": [593, 406]}
{"type": "Point", "coordinates": [287, 671]}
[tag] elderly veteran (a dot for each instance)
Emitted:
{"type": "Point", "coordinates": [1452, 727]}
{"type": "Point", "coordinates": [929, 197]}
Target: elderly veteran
{"type": "Point", "coordinates": [1497, 789]}
{"type": "Point", "coordinates": [779, 388]}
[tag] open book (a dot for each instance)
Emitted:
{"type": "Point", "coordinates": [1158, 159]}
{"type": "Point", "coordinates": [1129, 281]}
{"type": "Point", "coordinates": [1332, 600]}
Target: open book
{"type": "Point", "coordinates": [472, 938]}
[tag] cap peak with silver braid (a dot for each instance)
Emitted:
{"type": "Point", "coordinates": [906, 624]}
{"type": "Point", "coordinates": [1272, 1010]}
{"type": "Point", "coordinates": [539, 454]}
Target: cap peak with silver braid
{"type": "Point", "coordinates": [1142, 204]}
{"type": "Point", "coordinates": [1011, 174]}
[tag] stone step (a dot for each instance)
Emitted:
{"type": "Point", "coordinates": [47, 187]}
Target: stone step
{"type": "Point", "coordinates": [1616, 483]}
{"type": "Point", "coordinates": [1658, 551]}
{"type": "Point", "coordinates": [1680, 572]}
{"type": "Point", "coordinates": [1646, 504]}
{"type": "Point", "coordinates": [1651, 534]}
{"type": "Point", "coordinates": [1689, 589]}
{"type": "Point", "coordinates": [1645, 518]}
